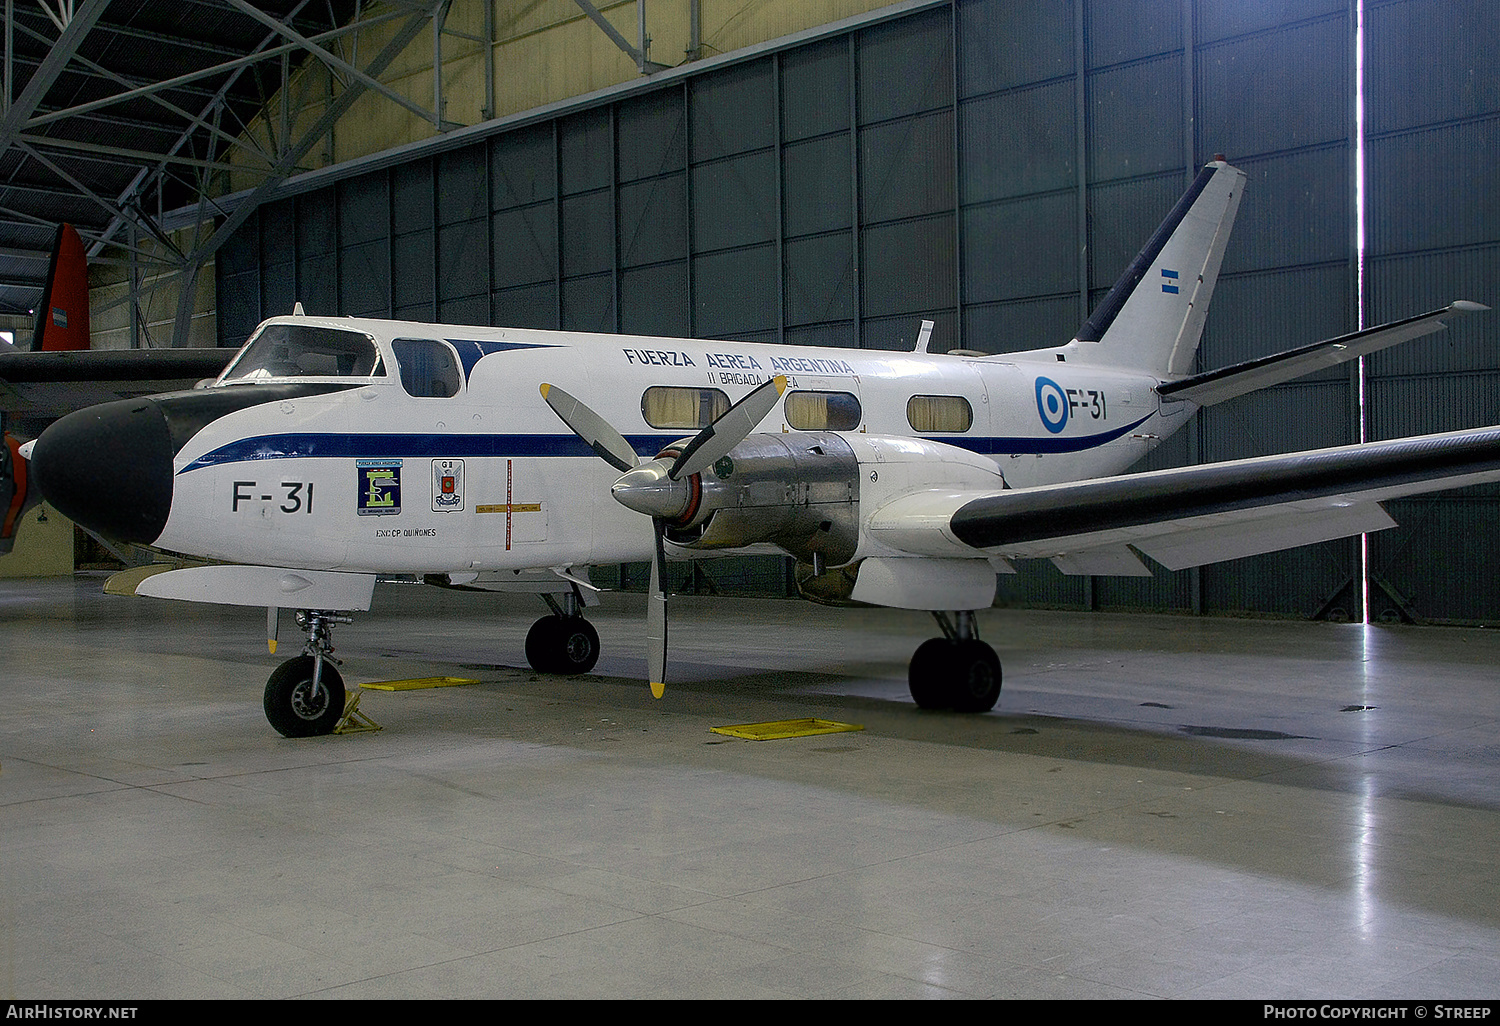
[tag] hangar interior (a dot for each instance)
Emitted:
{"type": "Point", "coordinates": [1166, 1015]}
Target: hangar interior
{"type": "Point", "coordinates": [822, 173]}
{"type": "Point", "coordinates": [834, 173]}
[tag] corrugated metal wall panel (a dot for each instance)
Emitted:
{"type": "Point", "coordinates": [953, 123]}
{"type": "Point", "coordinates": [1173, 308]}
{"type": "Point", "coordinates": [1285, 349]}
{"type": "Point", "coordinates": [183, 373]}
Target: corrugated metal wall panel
{"type": "Point", "coordinates": [1134, 111]}
{"type": "Point", "coordinates": [1003, 45]}
{"type": "Point", "coordinates": [1276, 90]}
{"type": "Point", "coordinates": [1400, 286]}
{"type": "Point", "coordinates": [653, 300]}
{"type": "Point", "coordinates": [1430, 61]}
{"type": "Point", "coordinates": [1434, 188]}
{"type": "Point", "coordinates": [905, 67]}
{"type": "Point", "coordinates": [1020, 249]}
{"type": "Point", "coordinates": [1019, 142]}
{"type": "Point", "coordinates": [1127, 30]}
{"type": "Point", "coordinates": [1024, 324]}
{"type": "Point", "coordinates": [1434, 236]}
{"type": "Point", "coordinates": [365, 279]}
{"type": "Point", "coordinates": [525, 245]}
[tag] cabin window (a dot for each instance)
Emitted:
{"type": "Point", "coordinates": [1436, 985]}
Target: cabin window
{"type": "Point", "coordinates": [823, 411]}
{"type": "Point", "coordinates": [667, 406]}
{"type": "Point", "coordinates": [939, 413]}
{"type": "Point", "coordinates": [302, 351]}
{"type": "Point", "coordinates": [428, 368]}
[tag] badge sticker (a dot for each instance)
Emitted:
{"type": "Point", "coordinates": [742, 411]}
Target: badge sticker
{"type": "Point", "coordinates": [379, 487]}
{"type": "Point", "coordinates": [447, 486]}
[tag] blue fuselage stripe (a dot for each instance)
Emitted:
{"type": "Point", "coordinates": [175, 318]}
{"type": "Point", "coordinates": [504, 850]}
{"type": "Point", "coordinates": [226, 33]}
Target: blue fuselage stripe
{"type": "Point", "coordinates": [324, 445]}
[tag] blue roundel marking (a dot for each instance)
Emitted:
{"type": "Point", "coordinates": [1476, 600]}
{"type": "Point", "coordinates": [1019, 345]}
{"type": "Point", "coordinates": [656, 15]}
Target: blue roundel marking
{"type": "Point", "coordinates": [1052, 404]}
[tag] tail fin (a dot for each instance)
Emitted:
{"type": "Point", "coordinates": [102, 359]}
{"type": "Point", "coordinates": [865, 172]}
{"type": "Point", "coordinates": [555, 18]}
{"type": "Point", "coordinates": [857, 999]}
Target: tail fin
{"type": "Point", "coordinates": [62, 316]}
{"type": "Point", "coordinates": [1153, 318]}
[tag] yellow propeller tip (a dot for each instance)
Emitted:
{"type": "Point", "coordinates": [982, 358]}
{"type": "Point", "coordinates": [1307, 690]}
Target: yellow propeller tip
{"type": "Point", "coordinates": [780, 384]}
{"type": "Point", "coordinates": [545, 389]}
{"type": "Point", "coordinates": [271, 644]}
{"type": "Point", "coordinates": [657, 688]}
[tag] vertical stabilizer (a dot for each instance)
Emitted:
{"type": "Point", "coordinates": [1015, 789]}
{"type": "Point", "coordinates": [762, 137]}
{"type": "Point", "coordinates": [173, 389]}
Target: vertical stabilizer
{"type": "Point", "coordinates": [62, 316]}
{"type": "Point", "coordinates": [1153, 317]}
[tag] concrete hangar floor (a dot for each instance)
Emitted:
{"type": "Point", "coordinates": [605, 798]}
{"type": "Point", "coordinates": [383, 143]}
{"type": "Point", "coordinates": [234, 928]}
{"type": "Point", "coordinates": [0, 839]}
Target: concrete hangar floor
{"type": "Point", "coordinates": [1159, 807]}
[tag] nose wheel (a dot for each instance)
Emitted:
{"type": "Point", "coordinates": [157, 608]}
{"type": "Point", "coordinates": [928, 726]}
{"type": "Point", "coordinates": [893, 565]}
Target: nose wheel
{"type": "Point", "coordinates": [305, 696]}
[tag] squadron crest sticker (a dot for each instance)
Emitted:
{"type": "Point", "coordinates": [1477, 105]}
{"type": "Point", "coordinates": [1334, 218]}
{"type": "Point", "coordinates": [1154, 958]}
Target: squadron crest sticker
{"type": "Point", "coordinates": [378, 487]}
{"type": "Point", "coordinates": [447, 486]}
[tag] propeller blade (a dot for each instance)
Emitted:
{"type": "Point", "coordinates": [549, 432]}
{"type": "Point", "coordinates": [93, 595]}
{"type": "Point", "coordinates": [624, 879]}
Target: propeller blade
{"type": "Point", "coordinates": [592, 428]}
{"type": "Point", "coordinates": [656, 616]}
{"type": "Point", "coordinates": [729, 430]}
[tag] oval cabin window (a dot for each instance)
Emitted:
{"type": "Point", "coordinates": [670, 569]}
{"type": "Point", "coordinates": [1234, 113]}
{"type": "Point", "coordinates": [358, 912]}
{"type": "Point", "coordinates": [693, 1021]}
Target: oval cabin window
{"type": "Point", "coordinates": [823, 411]}
{"type": "Point", "coordinates": [669, 406]}
{"type": "Point", "coordinates": [939, 413]}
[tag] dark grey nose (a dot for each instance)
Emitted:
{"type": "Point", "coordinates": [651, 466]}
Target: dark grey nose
{"type": "Point", "coordinates": [109, 468]}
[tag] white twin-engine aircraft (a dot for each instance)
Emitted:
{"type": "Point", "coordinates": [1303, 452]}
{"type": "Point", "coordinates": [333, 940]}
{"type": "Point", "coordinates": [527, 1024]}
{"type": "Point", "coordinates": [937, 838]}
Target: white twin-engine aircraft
{"type": "Point", "coordinates": [334, 451]}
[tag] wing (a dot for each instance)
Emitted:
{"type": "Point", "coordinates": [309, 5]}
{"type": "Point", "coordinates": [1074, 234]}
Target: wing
{"type": "Point", "coordinates": [54, 383]}
{"type": "Point", "coordinates": [1192, 515]}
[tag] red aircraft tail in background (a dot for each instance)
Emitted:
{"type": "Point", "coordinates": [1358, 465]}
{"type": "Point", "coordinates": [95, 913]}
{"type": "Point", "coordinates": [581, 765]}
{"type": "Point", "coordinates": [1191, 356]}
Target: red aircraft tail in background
{"type": "Point", "coordinates": [62, 316]}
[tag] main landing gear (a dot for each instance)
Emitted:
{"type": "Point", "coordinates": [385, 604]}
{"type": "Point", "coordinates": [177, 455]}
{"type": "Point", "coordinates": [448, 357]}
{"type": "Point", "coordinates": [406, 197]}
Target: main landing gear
{"type": "Point", "coordinates": [305, 695]}
{"type": "Point", "coordinates": [562, 642]}
{"type": "Point", "coordinates": [956, 671]}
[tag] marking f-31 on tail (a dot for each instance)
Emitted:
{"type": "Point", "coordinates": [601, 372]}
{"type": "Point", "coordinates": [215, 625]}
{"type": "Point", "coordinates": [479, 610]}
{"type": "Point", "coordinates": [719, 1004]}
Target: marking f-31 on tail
{"type": "Point", "coordinates": [906, 480]}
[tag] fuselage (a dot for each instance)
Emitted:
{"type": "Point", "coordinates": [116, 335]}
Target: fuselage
{"type": "Point", "coordinates": [434, 451]}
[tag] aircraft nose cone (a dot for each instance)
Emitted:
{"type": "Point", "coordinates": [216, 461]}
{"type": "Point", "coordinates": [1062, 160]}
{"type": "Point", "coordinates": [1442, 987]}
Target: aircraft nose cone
{"type": "Point", "coordinates": [109, 468]}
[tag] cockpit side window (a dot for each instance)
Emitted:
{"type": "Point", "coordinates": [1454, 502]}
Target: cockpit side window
{"type": "Point", "coordinates": [302, 350]}
{"type": "Point", "coordinates": [428, 368]}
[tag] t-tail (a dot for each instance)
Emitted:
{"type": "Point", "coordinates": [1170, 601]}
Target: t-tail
{"type": "Point", "coordinates": [1153, 317]}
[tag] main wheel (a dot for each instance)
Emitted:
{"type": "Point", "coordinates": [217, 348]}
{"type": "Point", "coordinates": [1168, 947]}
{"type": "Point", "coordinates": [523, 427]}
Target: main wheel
{"type": "Point", "coordinates": [975, 684]}
{"type": "Point", "coordinates": [928, 674]}
{"type": "Point", "coordinates": [542, 644]}
{"type": "Point", "coordinates": [562, 644]}
{"type": "Point", "coordinates": [578, 646]}
{"type": "Point", "coordinates": [292, 705]}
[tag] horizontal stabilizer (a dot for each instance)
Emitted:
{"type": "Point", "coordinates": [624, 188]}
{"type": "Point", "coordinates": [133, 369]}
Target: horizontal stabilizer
{"type": "Point", "coordinates": [1228, 382]}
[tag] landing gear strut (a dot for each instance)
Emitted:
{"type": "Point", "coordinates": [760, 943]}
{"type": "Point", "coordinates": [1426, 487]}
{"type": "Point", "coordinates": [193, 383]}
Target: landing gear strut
{"type": "Point", "coordinates": [956, 671]}
{"type": "Point", "coordinates": [563, 642]}
{"type": "Point", "coordinates": [305, 695]}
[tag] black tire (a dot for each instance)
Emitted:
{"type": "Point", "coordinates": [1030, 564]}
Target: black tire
{"type": "Point", "coordinates": [292, 707]}
{"type": "Point", "coordinates": [975, 682]}
{"type": "Point", "coordinates": [542, 643]}
{"type": "Point", "coordinates": [567, 645]}
{"type": "Point", "coordinates": [928, 674]}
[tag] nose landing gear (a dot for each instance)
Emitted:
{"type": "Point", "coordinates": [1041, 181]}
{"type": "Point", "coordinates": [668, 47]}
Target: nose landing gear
{"type": "Point", "coordinates": [305, 696]}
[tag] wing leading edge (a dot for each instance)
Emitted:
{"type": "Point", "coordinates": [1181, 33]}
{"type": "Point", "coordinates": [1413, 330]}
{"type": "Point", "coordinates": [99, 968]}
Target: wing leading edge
{"type": "Point", "coordinates": [1191, 515]}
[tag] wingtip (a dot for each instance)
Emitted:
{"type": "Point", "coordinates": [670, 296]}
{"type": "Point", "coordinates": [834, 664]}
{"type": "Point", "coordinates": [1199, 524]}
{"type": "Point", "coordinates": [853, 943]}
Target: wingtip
{"type": "Point", "coordinates": [1466, 305]}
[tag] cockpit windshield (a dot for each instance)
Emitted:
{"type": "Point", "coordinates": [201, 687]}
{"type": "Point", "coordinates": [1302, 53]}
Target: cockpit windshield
{"type": "Point", "coordinates": [302, 350]}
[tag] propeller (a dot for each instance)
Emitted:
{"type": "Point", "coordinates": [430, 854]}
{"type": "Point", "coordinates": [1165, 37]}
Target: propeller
{"type": "Point", "coordinates": [664, 488]}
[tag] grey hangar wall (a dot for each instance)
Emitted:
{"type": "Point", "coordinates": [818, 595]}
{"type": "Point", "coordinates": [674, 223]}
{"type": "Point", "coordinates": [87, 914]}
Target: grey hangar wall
{"type": "Point", "coordinates": [993, 166]}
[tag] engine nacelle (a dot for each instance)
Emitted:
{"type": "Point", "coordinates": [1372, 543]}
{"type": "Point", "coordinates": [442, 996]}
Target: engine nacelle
{"type": "Point", "coordinates": [800, 491]}
{"type": "Point", "coordinates": [796, 491]}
